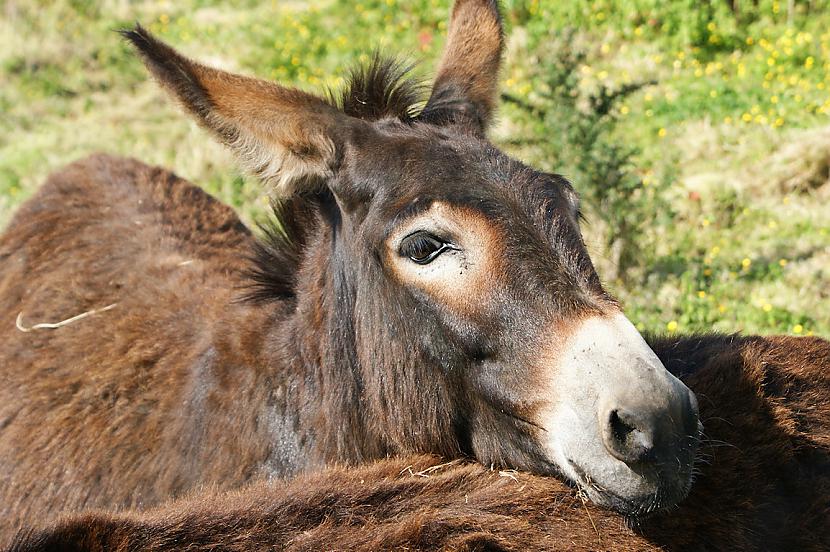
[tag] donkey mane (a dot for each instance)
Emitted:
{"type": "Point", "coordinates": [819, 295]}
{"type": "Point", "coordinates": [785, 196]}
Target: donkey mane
{"type": "Point", "coordinates": [277, 252]}
{"type": "Point", "coordinates": [380, 89]}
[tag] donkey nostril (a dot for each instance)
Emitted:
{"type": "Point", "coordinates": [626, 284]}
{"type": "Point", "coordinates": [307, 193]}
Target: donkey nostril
{"type": "Point", "coordinates": [619, 428]}
{"type": "Point", "coordinates": [627, 438]}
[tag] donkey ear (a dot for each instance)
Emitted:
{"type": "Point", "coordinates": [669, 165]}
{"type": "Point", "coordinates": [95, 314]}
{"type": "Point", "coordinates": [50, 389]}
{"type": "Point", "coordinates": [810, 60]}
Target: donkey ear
{"type": "Point", "coordinates": [466, 86]}
{"type": "Point", "coordinates": [284, 136]}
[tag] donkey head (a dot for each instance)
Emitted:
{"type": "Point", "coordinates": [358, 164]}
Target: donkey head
{"type": "Point", "coordinates": [469, 310]}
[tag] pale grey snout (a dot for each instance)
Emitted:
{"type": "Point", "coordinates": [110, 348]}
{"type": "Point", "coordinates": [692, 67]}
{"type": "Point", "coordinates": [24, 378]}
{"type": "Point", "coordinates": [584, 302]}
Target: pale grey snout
{"type": "Point", "coordinates": [638, 431]}
{"type": "Point", "coordinates": [623, 427]}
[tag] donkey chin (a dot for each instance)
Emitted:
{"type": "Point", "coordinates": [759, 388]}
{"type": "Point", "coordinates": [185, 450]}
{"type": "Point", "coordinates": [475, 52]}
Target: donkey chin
{"type": "Point", "coordinates": [625, 430]}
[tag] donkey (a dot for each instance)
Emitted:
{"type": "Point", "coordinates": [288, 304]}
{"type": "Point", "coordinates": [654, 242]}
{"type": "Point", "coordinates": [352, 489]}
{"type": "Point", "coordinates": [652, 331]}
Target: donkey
{"type": "Point", "coordinates": [422, 292]}
{"type": "Point", "coordinates": [764, 484]}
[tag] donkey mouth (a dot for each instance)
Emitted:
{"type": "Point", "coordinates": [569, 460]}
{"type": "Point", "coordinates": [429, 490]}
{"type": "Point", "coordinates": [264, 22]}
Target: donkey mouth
{"type": "Point", "coordinates": [635, 507]}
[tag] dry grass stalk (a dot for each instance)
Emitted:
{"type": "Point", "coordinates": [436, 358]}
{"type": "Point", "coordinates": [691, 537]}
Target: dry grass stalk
{"type": "Point", "coordinates": [56, 325]}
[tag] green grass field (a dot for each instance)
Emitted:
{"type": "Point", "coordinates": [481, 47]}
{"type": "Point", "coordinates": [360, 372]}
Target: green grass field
{"type": "Point", "coordinates": [698, 136]}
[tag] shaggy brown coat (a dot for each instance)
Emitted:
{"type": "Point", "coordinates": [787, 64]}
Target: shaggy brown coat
{"type": "Point", "coordinates": [764, 484]}
{"type": "Point", "coordinates": [79, 429]}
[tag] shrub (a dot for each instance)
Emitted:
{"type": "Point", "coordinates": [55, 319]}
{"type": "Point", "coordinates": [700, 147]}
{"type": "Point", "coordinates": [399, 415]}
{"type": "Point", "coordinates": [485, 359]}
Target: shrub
{"type": "Point", "coordinates": [574, 130]}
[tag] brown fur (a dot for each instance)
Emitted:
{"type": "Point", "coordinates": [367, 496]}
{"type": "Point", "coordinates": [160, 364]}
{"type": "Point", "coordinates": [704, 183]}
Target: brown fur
{"type": "Point", "coordinates": [183, 383]}
{"type": "Point", "coordinates": [72, 419]}
{"type": "Point", "coordinates": [764, 484]}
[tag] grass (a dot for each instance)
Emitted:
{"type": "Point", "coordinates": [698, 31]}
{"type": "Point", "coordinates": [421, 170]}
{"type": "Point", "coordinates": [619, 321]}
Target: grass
{"type": "Point", "coordinates": [730, 145]}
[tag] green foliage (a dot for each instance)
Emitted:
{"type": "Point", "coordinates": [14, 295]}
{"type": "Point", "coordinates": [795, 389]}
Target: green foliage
{"type": "Point", "coordinates": [578, 130]}
{"type": "Point", "coordinates": [710, 25]}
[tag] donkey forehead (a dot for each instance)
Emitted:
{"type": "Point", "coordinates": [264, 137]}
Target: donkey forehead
{"type": "Point", "coordinates": [404, 164]}
{"type": "Point", "coordinates": [428, 152]}
{"type": "Point", "coordinates": [518, 204]}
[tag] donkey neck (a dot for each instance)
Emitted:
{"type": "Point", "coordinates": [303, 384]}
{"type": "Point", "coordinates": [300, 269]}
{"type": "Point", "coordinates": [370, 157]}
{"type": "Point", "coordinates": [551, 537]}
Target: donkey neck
{"type": "Point", "coordinates": [319, 347]}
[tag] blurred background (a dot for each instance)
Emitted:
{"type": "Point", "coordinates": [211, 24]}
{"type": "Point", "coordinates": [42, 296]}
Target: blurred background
{"type": "Point", "coordinates": [696, 131]}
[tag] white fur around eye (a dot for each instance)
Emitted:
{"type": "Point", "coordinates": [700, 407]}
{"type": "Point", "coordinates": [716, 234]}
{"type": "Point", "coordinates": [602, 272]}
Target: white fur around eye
{"type": "Point", "coordinates": [450, 264]}
{"type": "Point", "coordinates": [460, 273]}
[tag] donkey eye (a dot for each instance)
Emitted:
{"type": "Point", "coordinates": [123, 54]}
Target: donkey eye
{"type": "Point", "coordinates": [422, 247]}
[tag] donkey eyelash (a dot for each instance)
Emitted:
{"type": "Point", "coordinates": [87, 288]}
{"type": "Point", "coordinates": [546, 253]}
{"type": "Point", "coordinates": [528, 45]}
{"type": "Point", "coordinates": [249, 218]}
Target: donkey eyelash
{"type": "Point", "coordinates": [422, 247]}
